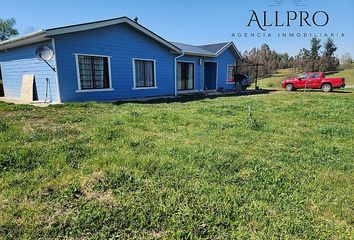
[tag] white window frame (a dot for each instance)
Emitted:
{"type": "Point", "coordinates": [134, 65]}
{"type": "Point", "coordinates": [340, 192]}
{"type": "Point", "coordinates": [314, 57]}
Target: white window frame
{"type": "Point", "coordinates": [134, 77]}
{"type": "Point", "coordinates": [78, 74]}
{"type": "Point", "coordinates": [194, 77]}
{"type": "Point", "coordinates": [227, 73]}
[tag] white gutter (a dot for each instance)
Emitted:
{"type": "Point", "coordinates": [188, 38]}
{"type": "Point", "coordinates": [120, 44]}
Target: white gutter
{"type": "Point", "coordinates": [23, 40]}
{"type": "Point", "coordinates": [176, 91]}
{"type": "Point", "coordinates": [56, 71]}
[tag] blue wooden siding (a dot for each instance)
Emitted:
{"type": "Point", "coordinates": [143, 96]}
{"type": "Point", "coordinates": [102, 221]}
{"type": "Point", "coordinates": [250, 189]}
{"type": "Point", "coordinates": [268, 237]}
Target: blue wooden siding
{"type": "Point", "coordinates": [122, 43]}
{"type": "Point", "coordinates": [19, 61]}
{"type": "Point", "coordinates": [226, 58]}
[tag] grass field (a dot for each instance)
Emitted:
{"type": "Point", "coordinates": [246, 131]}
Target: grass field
{"type": "Point", "coordinates": [198, 169]}
{"type": "Point", "coordinates": [277, 78]}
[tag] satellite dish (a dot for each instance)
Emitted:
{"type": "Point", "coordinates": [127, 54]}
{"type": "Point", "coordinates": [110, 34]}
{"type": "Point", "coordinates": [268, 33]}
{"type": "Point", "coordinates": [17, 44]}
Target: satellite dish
{"type": "Point", "coordinates": [44, 53]}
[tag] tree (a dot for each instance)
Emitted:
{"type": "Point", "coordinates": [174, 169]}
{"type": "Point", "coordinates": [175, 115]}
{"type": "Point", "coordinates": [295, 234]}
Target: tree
{"type": "Point", "coordinates": [314, 52]}
{"type": "Point", "coordinates": [284, 60]}
{"type": "Point", "coordinates": [7, 29]}
{"type": "Point", "coordinates": [269, 60]}
{"type": "Point", "coordinates": [328, 61]}
{"type": "Point", "coordinates": [312, 61]}
{"type": "Point", "coordinates": [346, 60]}
{"type": "Point", "coordinates": [330, 48]}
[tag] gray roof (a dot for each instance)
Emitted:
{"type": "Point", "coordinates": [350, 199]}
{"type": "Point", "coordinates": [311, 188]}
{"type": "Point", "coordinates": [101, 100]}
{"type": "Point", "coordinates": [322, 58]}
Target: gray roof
{"type": "Point", "coordinates": [191, 49]}
{"type": "Point", "coordinates": [214, 48]}
{"type": "Point", "coordinates": [210, 50]}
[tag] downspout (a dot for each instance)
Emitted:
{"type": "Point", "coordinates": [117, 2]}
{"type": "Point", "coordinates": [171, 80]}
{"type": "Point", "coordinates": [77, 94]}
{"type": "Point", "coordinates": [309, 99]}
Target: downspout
{"type": "Point", "coordinates": [176, 72]}
{"type": "Point", "coordinates": [56, 72]}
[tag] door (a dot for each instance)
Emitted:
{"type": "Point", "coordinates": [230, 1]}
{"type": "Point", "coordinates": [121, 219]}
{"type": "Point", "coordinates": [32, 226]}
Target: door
{"type": "Point", "coordinates": [210, 75]}
{"type": "Point", "coordinates": [315, 81]}
{"type": "Point", "coordinates": [302, 82]}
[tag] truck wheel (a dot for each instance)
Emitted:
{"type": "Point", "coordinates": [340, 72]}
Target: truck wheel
{"type": "Point", "coordinates": [289, 87]}
{"type": "Point", "coordinates": [327, 87]}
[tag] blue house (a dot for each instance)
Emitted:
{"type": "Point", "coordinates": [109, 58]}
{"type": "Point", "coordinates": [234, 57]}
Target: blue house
{"type": "Point", "coordinates": [114, 59]}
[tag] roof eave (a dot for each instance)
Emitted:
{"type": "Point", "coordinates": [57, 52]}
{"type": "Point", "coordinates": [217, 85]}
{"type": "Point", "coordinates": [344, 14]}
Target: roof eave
{"type": "Point", "coordinates": [230, 44]}
{"type": "Point", "coordinates": [24, 40]}
{"type": "Point", "coordinates": [199, 54]}
{"type": "Point", "coordinates": [99, 24]}
{"type": "Point", "coordinates": [45, 34]}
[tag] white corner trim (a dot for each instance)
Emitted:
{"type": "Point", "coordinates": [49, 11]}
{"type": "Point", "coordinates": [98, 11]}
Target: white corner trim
{"type": "Point", "coordinates": [56, 71]}
{"type": "Point", "coordinates": [134, 77]}
{"type": "Point", "coordinates": [78, 74]}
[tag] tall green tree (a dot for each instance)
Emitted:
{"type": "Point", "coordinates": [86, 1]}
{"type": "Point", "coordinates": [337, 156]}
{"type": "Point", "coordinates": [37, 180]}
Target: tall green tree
{"type": "Point", "coordinates": [328, 61]}
{"type": "Point", "coordinates": [329, 48]}
{"type": "Point", "coordinates": [7, 29]}
{"type": "Point", "coordinates": [314, 52]}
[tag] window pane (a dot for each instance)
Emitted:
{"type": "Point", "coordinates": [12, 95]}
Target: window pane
{"type": "Point", "coordinates": [144, 73]}
{"type": "Point", "coordinates": [86, 78]}
{"type": "Point", "coordinates": [93, 72]}
{"type": "Point", "coordinates": [179, 76]}
{"type": "Point", "coordinates": [185, 76]}
{"type": "Point", "coordinates": [190, 76]}
{"type": "Point", "coordinates": [139, 74]}
{"type": "Point", "coordinates": [98, 72]}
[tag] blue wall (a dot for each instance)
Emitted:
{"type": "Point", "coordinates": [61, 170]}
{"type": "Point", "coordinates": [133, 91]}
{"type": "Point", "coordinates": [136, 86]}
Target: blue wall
{"type": "Point", "coordinates": [228, 57]}
{"type": "Point", "coordinates": [19, 61]}
{"type": "Point", "coordinates": [121, 43]}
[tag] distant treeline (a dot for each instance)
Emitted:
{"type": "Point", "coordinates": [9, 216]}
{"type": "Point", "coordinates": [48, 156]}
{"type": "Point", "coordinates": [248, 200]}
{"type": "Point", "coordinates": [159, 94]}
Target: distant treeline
{"type": "Point", "coordinates": [317, 58]}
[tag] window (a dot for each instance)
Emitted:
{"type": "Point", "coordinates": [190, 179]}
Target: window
{"type": "Point", "coordinates": [144, 75]}
{"type": "Point", "coordinates": [315, 75]}
{"type": "Point", "coordinates": [231, 71]}
{"type": "Point", "coordinates": [93, 72]}
{"type": "Point", "coordinates": [185, 76]}
{"type": "Point", "coordinates": [304, 76]}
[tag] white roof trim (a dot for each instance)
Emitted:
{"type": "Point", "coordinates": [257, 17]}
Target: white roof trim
{"type": "Point", "coordinates": [23, 40]}
{"type": "Point", "coordinates": [199, 54]}
{"type": "Point", "coordinates": [90, 26]}
{"type": "Point", "coordinates": [46, 34]}
{"type": "Point", "coordinates": [230, 44]}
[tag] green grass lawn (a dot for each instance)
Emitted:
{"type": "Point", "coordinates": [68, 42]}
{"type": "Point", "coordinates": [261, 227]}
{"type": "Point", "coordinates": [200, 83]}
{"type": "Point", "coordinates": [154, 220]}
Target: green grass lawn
{"type": "Point", "coordinates": [275, 81]}
{"type": "Point", "coordinates": [201, 169]}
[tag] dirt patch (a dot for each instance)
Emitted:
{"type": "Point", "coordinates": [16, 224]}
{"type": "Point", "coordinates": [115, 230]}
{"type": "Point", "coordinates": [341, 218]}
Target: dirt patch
{"type": "Point", "coordinates": [92, 194]}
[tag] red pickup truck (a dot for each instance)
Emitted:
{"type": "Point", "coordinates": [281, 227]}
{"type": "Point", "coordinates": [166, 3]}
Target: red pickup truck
{"type": "Point", "coordinates": [314, 80]}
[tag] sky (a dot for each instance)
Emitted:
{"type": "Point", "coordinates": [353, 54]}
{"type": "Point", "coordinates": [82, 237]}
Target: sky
{"type": "Point", "coordinates": [198, 21]}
